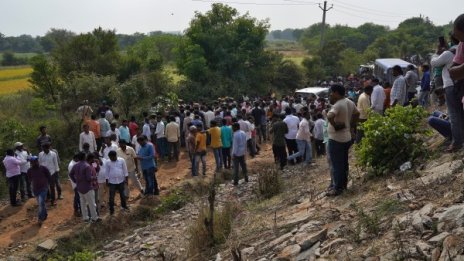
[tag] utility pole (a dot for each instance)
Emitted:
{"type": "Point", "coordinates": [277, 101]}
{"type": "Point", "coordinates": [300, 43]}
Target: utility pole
{"type": "Point", "coordinates": [324, 11]}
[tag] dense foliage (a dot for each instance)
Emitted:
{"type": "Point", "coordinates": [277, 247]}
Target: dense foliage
{"type": "Point", "coordinates": [392, 140]}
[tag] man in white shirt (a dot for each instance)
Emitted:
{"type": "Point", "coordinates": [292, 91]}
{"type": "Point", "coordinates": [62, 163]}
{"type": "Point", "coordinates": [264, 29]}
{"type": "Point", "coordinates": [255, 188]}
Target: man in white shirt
{"type": "Point", "coordinates": [128, 154]}
{"type": "Point", "coordinates": [319, 134]}
{"type": "Point", "coordinates": [303, 139]}
{"type": "Point", "coordinates": [24, 182]}
{"type": "Point", "coordinates": [209, 116]}
{"type": "Point", "coordinates": [49, 159]}
{"type": "Point", "coordinates": [146, 130]}
{"type": "Point", "coordinates": [113, 131]}
{"type": "Point", "coordinates": [173, 137]}
{"type": "Point", "coordinates": [77, 200]}
{"type": "Point", "coordinates": [398, 93]}
{"type": "Point", "coordinates": [117, 175]}
{"type": "Point", "coordinates": [377, 97]}
{"type": "Point", "coordinates": [109, 145]}
{"type": "Point", "coordinates": [290, 138]}
{"type": "Point", "coordinates": [87, 136]}
{"type": "Point", "coordinates": [161, 140]}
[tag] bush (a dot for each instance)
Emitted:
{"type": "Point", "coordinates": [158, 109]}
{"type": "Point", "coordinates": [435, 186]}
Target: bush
{"type": "Point", "coordinates": [77, 256]}
{"type": "Point", "coordinates": [269, 182]}
{"type": "Point", "coordinates": [392, 140]}
{"type": "Point", "coordinates": [174, 201]}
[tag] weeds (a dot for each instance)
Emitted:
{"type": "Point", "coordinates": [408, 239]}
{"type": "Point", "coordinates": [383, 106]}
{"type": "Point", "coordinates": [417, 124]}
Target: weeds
{"type": "Point", "coordinates": [77, 256]}
{"type": "Point", "coordinates": [174, 201]}
{"type": "Point", "coordinates": [269, 182]}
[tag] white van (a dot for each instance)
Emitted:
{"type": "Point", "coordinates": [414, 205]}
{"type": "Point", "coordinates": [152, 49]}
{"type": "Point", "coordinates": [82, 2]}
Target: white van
{"type": "Point", "coordinates": [383, 68]}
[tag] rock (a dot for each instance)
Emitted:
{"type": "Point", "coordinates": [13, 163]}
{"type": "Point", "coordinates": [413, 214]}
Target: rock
{"type": "Point", "coordinates": [289, 253]}
{"type": "Point", "coordinates": [334, 244]}
{"type": "Point", "coordinates": [440, 172]}
{"type": "Point", "coordinates": [452, 217]}
{"type": "Point", "coordinates": [420, 222]}
{"type": "Point", "coordinates": [218, 257]}
{"type": "Point", "coordinates": [306, 240]}
{"type": "Point", "coordinates": [309, 254]}
{"type": "Point", "coordinates": [279, 240]}
{"type": "Point", "coordinates": [452, 246]}
{"type": "Point", "coordinates": [310, 226]}
{"type": "Point", "coordinates": [48, 245]}
{"type": "Point", "coordinates": [301, 216]}
{"type": "Point", "coordinates": [436, 252]}
{"type": "Point", "coordinates": [438, 239]}
{"type": "Point", "coordinates": [427, 210]}
{"type": "Point", "coordinates": [423, 249]}
{"type": "Point", "coordinates": [248, 251]}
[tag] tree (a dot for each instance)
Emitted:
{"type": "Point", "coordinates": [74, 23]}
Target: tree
{"type": "Point", "coordinates": [350, 60]}
{"type": "Point", "coordinates": [45, 80]}
{"type": "Point", "coordinates": [55, 38]}
{"type": "Point", "coordinates": [223, 53]}
{"type": "Point", "coordinates": [313, 69]}
{"type": "Point", "coordinates": [288, 76]}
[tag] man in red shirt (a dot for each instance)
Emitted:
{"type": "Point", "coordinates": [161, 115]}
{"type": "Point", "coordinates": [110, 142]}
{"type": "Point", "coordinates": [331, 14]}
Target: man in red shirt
{"type": "Point", "coordinates": [133, 127]}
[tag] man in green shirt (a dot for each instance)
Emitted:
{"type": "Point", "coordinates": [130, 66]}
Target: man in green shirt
{"type": "Point", "coordinates": [278, 131]}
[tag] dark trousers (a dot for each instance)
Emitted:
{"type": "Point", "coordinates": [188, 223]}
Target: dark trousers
{"type": "Point", "coordinates": [261, 132]}
{"type": "Point", "coordinates": [120, 188]}
{"type": "Point", "coordinates": [55, 186]}
{"type": "Point", "coordinates": [280, 154]}
{"type": "Point", "coordinates": [338, 153]}
{"type": "Point", "coordinates": [99, 143]}
{"type": "Point", "coordinates": [226, 159]}
{"type": "Point", "coordinates": [173, 150]}
{"type": "Point", "coordinates": [13, 184]}
{"type": "Point", "coordinates": [77, 202]}
{"type": "Point", "coordinates": [251, 148]}
{"type": "Point", "coordinates": [151, 184]}
{"type": "Point", "coordinates": [320, 147]}
{"type": "Point", "coordinates": [239, 161]}
{"type": "Point", "coordinates": [25, 186]}
{"type": "Point", "coordinates": [292, 147]}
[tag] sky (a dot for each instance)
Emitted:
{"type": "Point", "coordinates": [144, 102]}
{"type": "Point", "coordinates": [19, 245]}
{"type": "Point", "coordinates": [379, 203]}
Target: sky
{"type": "Point", "coordinates": [36, 17]}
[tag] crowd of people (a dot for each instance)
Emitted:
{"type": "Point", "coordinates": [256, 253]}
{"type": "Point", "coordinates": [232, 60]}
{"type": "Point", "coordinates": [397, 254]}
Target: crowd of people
{"type": "Point", "coordinates": [113, 150]}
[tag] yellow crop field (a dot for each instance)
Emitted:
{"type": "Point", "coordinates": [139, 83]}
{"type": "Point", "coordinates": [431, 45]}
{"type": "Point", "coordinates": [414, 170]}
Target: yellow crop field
{"type": "Point", "coordinates": [13, 79]}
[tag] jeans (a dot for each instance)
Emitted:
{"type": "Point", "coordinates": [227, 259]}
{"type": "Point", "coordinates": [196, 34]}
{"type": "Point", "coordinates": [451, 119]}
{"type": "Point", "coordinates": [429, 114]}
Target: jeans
{"type": "Point", "coordinates": [280, 154]}
{"type": "Point", "coordinates": [173, 150]}
{"type": "Point", "coordinates": [239, 161]}
{"type": "Point", "coordinates": [162, 144]}
{"type": "Point", "coordinates": [151, 185]}
{"type": "Point", "coordinates": [13, 183]}
{"type": "Point", "coordinates": [135, 181]}
{"type": "Point", "coordinates": [41, 196]}
{"type": "Point", "coordinates": [25, 186]}
{"type": "Point", "coordinates": [200, 156]}
{"type": "Point", "coordinates": [218, 157]}
{"type": "Point", "coordinates": [320, 147]}
{"type": "Point", "coordinates": [441, 125]}
{"type": "Point", "coordinates": [424, 98]}
{"type": "Point", "coordinates": [292, 147]}
{"type": "Point", "coordinates": [88, 203]}
{"type": "Point", "coordinates": [338, 153]}
{"type": "Point", "coordinates": [120, 188]}
{"type": "Point", "coordinates": [226, 158]}
{"type": "Point", "coordinates": [261, 133]}
{"type": "Point", "coordinates": [456, 114]}
{"type": "Point", "coordinates": [304, 149]}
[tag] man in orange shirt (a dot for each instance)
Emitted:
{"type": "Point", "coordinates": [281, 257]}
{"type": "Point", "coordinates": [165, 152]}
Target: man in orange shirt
{"type": "Point", "coordinates": [216, 143]}
{"type": "Point", "coordinates": [94, 126]}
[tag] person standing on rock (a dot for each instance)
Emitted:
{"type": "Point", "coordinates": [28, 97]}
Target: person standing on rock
{"type": "Point", "coordinates": [239, 146]}
{"type": "Point", "coordinates": [40, 178]}
{"type": "Point", "coordinates": [278, 130]}
{"type": "Point", "coordinates": [342, 119]}
{"type": "Point", "coordinates": [117, 176]}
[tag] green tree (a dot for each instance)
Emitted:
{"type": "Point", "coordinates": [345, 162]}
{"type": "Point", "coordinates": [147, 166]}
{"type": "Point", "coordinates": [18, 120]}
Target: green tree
{"type": "Point", "coordinates": [349, 61]}
{"type": "Point", "coordinates": [288, 76]}
{"type": "Point", "coordinates": [313, 69]}
{"type": "Point", "coordinates": [55, 38]}
{"type": "Point", "coordinates": [45, 79]}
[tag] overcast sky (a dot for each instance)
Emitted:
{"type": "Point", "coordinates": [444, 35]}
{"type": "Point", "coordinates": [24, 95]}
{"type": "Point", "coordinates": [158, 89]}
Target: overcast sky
{"type": "Point", "coordinates": [36, 17]}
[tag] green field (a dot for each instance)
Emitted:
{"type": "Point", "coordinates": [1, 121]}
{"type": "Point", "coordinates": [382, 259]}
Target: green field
{"type": "Point", "coordinates": [21, 55]}
{"type": "Point", "coordinates": [13, 79]}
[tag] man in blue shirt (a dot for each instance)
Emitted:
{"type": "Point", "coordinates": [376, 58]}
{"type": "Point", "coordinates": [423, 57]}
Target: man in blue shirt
{"type": "Point", "coordinates": [425, 87]}
{"type": "Point", "coordinates": [124, 133]}
{"type": "Point", "coordinates": [239, 145]}
{"type": "Point", "coordinates": [226, 138]}
{"type": "Point", "coordinates": [146, 155]}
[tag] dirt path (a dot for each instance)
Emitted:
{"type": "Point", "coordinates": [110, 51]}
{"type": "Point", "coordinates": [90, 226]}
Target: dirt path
{"type": "Point", "coordinates": [18, 226]}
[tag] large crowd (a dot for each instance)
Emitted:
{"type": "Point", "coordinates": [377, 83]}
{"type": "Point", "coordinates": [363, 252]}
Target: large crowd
{"type": "Point", "coordinates": [113, 150]}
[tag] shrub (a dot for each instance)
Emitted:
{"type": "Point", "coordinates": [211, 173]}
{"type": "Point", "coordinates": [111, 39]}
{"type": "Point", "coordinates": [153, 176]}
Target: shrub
{"type": "Point", "coordinates": [174, 201]}
{"type": "Point", "coordinates": [269, 182]}
{"type": "Point", "coordinates": [77, 256]}
{"type": "Point", "coordinates": [393, 139]}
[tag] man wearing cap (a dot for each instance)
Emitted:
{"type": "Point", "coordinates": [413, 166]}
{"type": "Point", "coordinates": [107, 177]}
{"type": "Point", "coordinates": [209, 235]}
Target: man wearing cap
{"type": "Point", "coordinates": [49, 159]}
{"type": "Point", "coordinates": [13, 174]}
{"type": "Point", "coordinates": [24, 182]}
{"type": "Point", "coordinates": [40, 178]}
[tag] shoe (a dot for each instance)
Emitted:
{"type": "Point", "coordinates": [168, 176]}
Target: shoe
{"type": "Point", "coordinates": [334, 193]}
{"type": "Point", "coordinates": [87, 220]}
{"type": "Point", "coordinates": [40, 222]}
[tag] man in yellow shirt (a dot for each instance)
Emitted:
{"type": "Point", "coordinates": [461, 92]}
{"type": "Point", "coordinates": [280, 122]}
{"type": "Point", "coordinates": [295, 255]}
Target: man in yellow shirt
{"type": "Point", "coordinates": [216, 143]}
{"type": "Point", "coordinates": [364, 105]}
{"type": "Point", "coordinates": [200, 152]}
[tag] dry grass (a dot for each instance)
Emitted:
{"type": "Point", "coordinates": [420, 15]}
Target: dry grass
{"type": "Point", "coordinates": [12, 86]}
{"type": "Point", "coordinates": [13, 79]}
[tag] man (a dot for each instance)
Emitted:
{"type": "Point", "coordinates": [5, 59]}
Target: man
{"type": "Point", "coordinates": [94, 126]}
{"type": "Point", "coordinates": [186, 124]}
{"type": "Point", "coordinates": [104, 127]}
{"type": "Point", "coordinates": [81, 174]}
{"type": "Point", "coordinates": [84, 111]}
{"type": "Point", "coordinates": [258, 114]}
{"type": "Point", "coordinates": [245, 126]}
{"type": "Point", "coordinates": [209, 116]}
{"type": "Point", "coordinates": [226, 140]}
{"type": "Point", "coordinates": [278, 130]}
{"type": "Point", "coordinates": [77, 200]}
{"type": "Point", "coordinates": [173, 138]}
{"type": "Point", "coordinates": [190, 142]}
{"type": "Point", "coordinates": [161, 141]}
{"type": "Point", "coordinates": [303, 140]}
{"type": "Point", "coordinates": [113, 131]}
{"type": "Point", "coordinates": [124, 132]}
{"type": "Point", "coordinates": [197, 122]}
{"type": "Point", "coordinates": [87, 136]}
{"type": "Point", "coordinates": [24, 182]}
{"type": "Point", "coordinates": [49, 159]}
{"type": "Point", "coordinates": [13, 174]}
{"type": "Point", "coordinates": [238, 152]}
{"type": "Point", "coordinates": [216, 143]}
{"type": "Point", "coordinates": [411, 78]}
{"type": "Point", "coordinates": [128, 154]}
{"type": "Point", "coordinates": [377, 97]}
{"type": "Point", "coordinates": [40, 178]}
{"type": "Point", "coordinates": [440, 122]}
{"type": "Point", "coordinates": [319, 134]}
{"type": "Point", "coordinates": [43, 138]}
{"type": "Point", "coordinates": [146, 156]}
{"type": "Point", "coordinates": [342, 119]}
{"type": "Point", "coordinates": [398, 93]}
{"type": "Point", "coordinates": [146, 129]}
{"type": "Point", "coordinates": [200, 151]}
{"type": "Point", "coordinates": [133, 127]}
{"type": "Point", "coordinates": [363, 107]}
{"type": "Point", "coordinates": [425, 86]}
{"type": "Point", "coordinates": [117, 175]}
{"type": "Point", "coordinates": [457, 71]}
{"type": "Point", "coordinates": [290, 138]}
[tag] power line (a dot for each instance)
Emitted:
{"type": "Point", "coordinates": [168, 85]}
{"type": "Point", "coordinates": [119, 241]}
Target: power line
{"type": "Point", "coordinates": [366, 9]}
{"type": "Point", "coordinates": [369, 12]}
{"type": "Point", "coordinates": [254, 3]}
{"type": "Point", "coordinates": [302, 2]}
{"type": "Point", "coordinates": [363, 17]}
